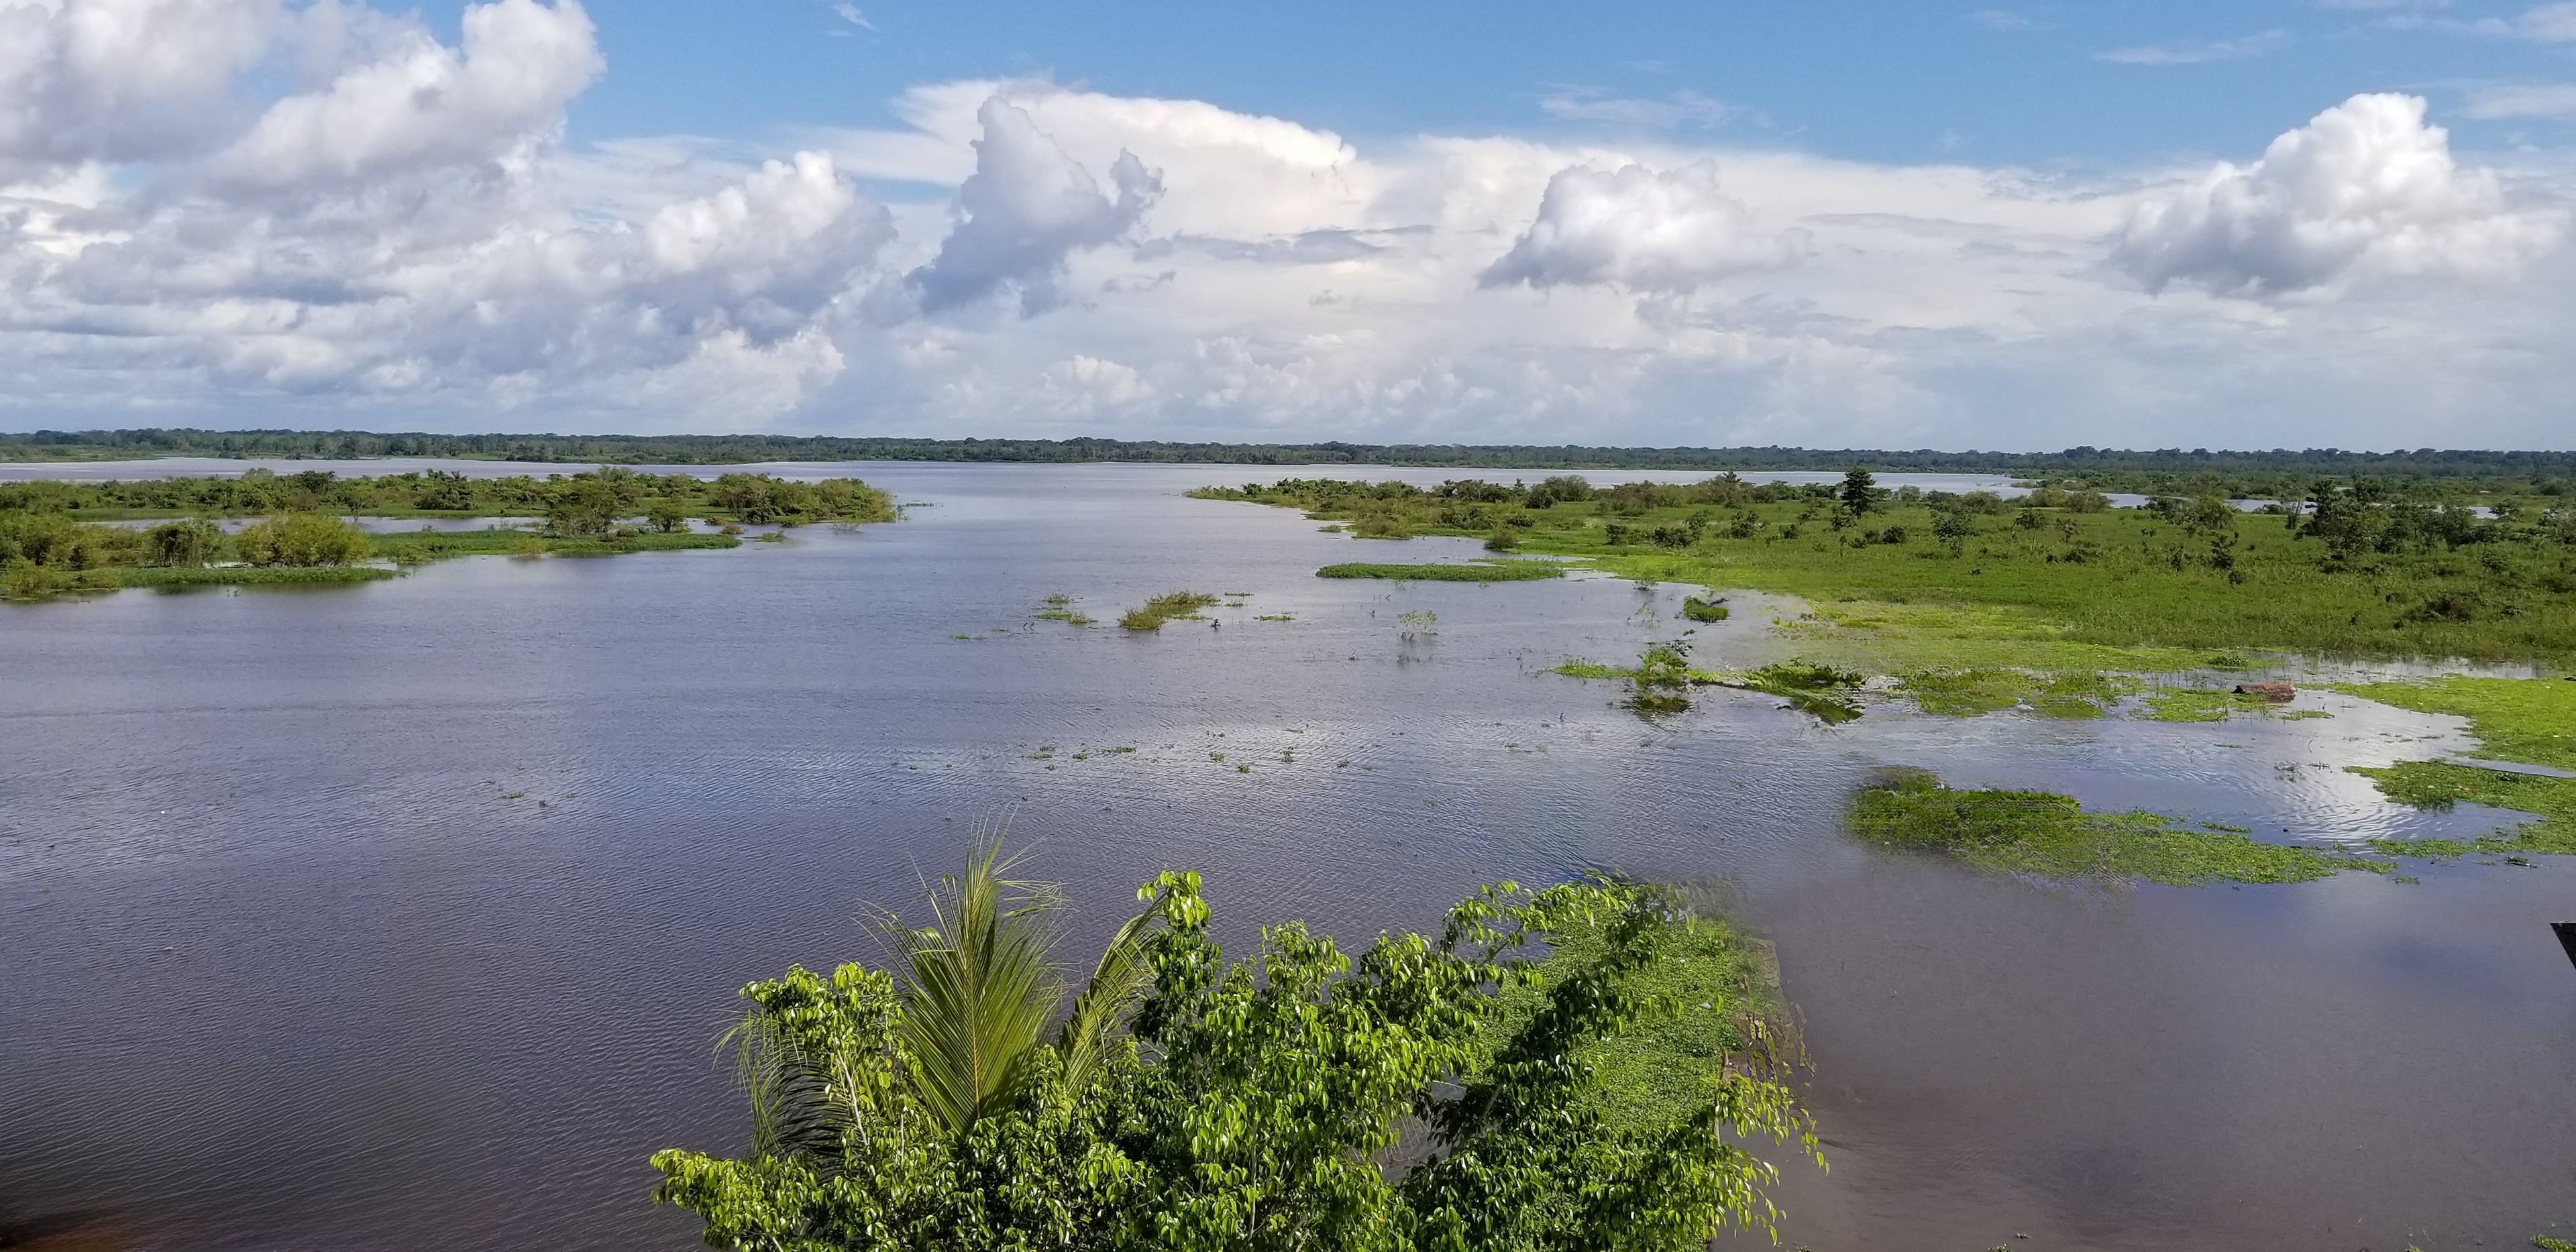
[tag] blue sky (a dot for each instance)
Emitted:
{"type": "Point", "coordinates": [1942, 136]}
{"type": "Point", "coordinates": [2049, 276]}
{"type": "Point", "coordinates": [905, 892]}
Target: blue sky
{"type": "Point", "coordinates": [2342, 222]}
{"type": "Point", "coordinates": [1879, 81]}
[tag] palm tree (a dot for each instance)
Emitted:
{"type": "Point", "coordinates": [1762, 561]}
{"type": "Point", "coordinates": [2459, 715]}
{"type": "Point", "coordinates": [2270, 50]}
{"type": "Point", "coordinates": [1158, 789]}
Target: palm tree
{"type": "Point", "coordinates": [980, 984]}
{"type": "Point", "coordinates": [976, 990]}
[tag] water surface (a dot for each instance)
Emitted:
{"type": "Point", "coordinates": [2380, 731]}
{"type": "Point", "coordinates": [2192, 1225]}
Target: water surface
{"type": "Point", "coordinates": [404, 914]}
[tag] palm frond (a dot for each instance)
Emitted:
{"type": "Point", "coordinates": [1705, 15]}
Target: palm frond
{"type": "Point", "coordinates": [1114, 985]}
{"type": "Point", "coordinates": [981, 984]}
{"type": "Point", "coordinates": [792, 1113]}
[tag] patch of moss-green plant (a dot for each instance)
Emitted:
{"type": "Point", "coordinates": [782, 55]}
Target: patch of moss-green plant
{"type": "Point", "coordinates": [1972, 692]}
{"type": "Point", "coordinates": [1592, 669]}
{"type": "Point", "coordinates": [1816, 689]}
{"type": "Point", "coordinates": [2200, 704]}
{"type": "Point", "coordinates": [1483, 572]}
{"type": "Point", "coordinates": [2437, 785]}
{"type": "Point", "coordinates": [2530, 720]}
{"type": "Point", "coordinates": [2547, 1244]}
{"type": "Point", "coordinates": [1165, 607]}
{"type": "Point", "coordinates": [247, 575]}
{"type": "Point", "coordinates": [2053, 838]}
{"type": "Point", "coordinates": [1661, 682]}
{"type": "Point", "coordinates": [412, 547]}
{"type": "Point", "coordinates": [1699, 610]}
{"type": "Point", "coordinates": [1059, 608]}
{"type": "Point", "coordinates": [620, 545]}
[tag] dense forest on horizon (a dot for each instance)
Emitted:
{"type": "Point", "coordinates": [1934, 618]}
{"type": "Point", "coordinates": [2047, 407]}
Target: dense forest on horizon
{"type": "Point", "coordinates": [2255, 472]}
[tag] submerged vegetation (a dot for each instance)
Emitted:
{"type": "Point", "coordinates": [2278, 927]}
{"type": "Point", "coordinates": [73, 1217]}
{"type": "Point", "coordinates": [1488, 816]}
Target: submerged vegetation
{"type": "Point", "coordinates": [1661, 681]}
{"type": "Point", "coordinates": [1819, 690]}
{"type": "Point", "coordinates": [1059, 608]}
{"type": "Point", "coordinates": [1430, 1092]}
{"type": "Point", "coordinates": [1482, 572]}
{"type": "Point", "coordinates": [55, 537]}
{"type": "Point", "coordinates": [1165, 607]}
{"type": "Point", "coordinates": [2052, 838]}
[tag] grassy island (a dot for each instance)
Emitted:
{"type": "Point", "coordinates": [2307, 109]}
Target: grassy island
{"type": "Point", "coordinates": [59, 538]}
{"type": "Point", "coordinates": [2054, 839]}
{"type": "Point", "coordinates": [1164, 608]}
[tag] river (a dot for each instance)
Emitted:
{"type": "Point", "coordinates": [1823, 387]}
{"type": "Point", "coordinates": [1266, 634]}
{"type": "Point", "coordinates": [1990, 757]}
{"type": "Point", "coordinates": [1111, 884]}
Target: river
{"type": "Point", "coordinates": [405, 914]}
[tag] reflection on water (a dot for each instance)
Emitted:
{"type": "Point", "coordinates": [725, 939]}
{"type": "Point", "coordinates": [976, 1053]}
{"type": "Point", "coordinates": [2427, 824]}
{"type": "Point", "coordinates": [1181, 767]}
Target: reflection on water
{"type": "Point", "coordinates": [336, 919]}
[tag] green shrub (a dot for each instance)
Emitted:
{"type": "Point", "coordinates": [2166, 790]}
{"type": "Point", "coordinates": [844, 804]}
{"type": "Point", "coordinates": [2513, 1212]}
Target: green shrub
{"type": "Point", "coordinates": [303, 539]}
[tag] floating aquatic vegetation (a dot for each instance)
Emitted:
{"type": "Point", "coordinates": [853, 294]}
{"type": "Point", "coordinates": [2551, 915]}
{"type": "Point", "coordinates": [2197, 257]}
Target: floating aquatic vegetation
{"type": "Point", "coordinates": [2053, 838]}
{"type": "Point", "coordinates": [1164, 608]}
{"type": "Point", "coordinates": [1661, 682]}
{"type": "Point", "coordinates": [1059, 608]}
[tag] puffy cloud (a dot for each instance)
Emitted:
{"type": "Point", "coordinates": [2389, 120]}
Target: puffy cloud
{"type": "Point", "coordinates": [400, 227]}
{"type": "Point", "coordinates": [1025, 209]}
{"type": "Point", "coordinates": [1640, 229]}
{"type": "Point", "coordinates": [2367, 186]}
{"type": "Point", "coordinates": [122, 80]}
{"type": "Point", "coordinates": [336, 218]}
{"type": "Point", "coordinates": [423, 103]}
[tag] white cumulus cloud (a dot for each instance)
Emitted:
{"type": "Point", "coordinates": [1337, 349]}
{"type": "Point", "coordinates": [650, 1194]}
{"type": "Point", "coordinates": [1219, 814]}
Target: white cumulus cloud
{"type": "Point", "coordinates": [423, 103]}
{"type": "Point", "coordinates": [122, 80]}
{"type": "Point", "coordinates": [395, 224]}
{"type": "Point", "coordinates": [319, 212]}
{"type": "Point", "coordinates": [1641, 229]}
{"type": "Point", "coordinates": [1027, 207]}
{"type": "Point", "coordinates": [2367, 186]}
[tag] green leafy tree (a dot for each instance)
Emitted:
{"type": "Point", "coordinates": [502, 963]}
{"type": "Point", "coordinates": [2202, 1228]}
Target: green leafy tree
{"type": "Point", "coordinates": [1860, 493]}
{"type": "Point", "coordinates": [1254, 1105]}
{"type": "Point", "coordinates": [302, 539]}
{"type": "Point", "coordinates": [189, 543]}
{"type": "Point", "coordinates": [583, 506]}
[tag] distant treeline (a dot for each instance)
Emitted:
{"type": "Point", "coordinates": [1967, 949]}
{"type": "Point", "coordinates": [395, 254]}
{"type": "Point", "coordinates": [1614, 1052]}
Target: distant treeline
{"type": "Point", "coordinates": [2199, 471]}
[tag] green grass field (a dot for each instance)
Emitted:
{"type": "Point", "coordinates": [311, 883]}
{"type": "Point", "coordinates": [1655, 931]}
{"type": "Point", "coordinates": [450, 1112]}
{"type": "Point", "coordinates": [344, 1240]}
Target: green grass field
{"type": "Point", "coordinates": [2050, 589]}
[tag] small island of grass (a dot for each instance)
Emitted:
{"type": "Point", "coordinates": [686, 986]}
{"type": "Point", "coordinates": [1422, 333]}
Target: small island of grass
{"type": "Point", "coordinates": [2053, 838]}
{"type": "Point", "coordinates": [1164, 608]}
{"type": "Point", "coordinates": [59, 538]}
{"type": "Point", "coordinates": [1482, 572]}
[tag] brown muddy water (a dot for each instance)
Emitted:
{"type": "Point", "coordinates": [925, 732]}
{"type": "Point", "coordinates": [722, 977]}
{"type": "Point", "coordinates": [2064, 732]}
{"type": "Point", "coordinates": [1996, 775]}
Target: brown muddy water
{"type": "Point", "coordinates": [404, 915]}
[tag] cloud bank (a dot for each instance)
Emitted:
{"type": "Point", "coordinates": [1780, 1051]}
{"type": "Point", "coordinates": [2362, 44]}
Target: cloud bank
{"type": "Point", "coordinates": [250, 212]}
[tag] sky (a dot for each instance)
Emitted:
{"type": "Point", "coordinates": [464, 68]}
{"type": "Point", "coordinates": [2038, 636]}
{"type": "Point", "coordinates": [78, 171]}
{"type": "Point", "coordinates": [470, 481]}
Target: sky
{"type": "Point", "coordinates": [2027, 226]}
